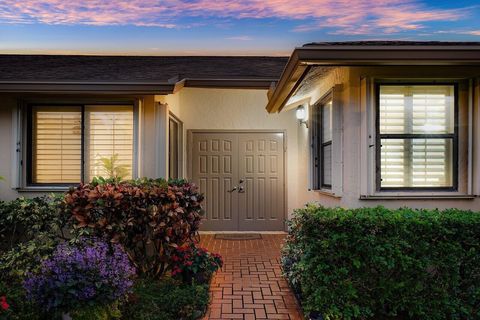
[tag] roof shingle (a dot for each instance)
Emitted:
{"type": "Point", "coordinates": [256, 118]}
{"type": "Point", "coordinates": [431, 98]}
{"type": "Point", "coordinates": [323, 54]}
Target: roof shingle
{"type": "Point", "coordinates": [136, 68]}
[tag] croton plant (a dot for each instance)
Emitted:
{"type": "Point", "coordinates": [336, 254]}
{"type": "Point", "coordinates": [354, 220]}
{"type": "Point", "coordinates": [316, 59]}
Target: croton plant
{"type": "Point", "coordinates": [149, 217]}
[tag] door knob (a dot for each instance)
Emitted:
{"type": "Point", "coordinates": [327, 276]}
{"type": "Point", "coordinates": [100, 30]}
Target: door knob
{"type": "Point", "coordinates": [241, 189]}
{"type": "Point", "coordinates": [234, 189]}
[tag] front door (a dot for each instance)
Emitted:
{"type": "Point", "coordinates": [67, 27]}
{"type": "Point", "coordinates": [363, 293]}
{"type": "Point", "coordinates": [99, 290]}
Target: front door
{"type": "Point", "coordinates": [242, 177]}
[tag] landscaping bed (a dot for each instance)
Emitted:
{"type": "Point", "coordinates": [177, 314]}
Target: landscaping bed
{"type": "Point", "coordinates": [377, 263]}
{"type": "Point", "coordinates": [106, 250]}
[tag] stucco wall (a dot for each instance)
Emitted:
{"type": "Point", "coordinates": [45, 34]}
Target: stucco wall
{"type": "Point", "coordinates": [201, 108]}
{"type": "Point", "coordinates": [350, 102]}
{"type": "Point", "coordinates": [7, 104]}
{"type": "Point", "coordinates": [239, 109]}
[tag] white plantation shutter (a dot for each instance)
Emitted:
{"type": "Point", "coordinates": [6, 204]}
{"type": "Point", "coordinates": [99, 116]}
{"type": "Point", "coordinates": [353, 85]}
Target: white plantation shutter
{"type": "Point", "coordinates": [109, 134]}
{"type": "Point", "coordinates": [417, 136]}
{"type": "Point", "coordinates": [56, 144]}
{"type": "Point", "coordinates": [327, 133]}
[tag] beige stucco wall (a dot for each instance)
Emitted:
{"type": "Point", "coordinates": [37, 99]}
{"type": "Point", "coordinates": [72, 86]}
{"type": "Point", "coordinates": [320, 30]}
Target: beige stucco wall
{"type": "Point", "coordinates": [349, 80]}
{"type": "Point", "coordinates": [7, 104]}
{"type": "Point", "coordinates": [239, 109]}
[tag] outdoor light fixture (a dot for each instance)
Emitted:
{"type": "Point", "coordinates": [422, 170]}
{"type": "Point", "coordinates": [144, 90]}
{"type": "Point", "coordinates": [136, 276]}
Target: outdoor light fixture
{"type": "Point", "coordinates": [301, 114]}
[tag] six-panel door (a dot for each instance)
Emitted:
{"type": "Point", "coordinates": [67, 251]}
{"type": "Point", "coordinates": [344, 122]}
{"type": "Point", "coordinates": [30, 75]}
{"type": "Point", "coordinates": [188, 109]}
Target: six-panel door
{"type": "Point", "coordinates": [242, 177]}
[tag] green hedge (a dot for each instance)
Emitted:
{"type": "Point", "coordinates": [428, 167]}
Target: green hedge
{"type": "Point", "coordinates": [166, 299]}
{"type": "Point", "coordinates": [376, 263]}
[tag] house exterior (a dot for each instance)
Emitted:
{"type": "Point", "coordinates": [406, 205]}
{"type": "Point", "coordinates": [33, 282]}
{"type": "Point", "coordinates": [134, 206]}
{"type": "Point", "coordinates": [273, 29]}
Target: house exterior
{"type": "Point", "coordinates": [381, 123]}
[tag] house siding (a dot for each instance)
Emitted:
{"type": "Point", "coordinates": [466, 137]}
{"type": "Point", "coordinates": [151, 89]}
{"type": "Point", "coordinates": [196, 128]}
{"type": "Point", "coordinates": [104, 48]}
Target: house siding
{"type": "Point", "coordinates": [354, 139]}
{"type": "Point", "coordinates": [244, 109]}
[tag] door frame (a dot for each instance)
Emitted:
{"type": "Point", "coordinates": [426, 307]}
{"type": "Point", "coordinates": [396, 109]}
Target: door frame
{"type": "Point", "coordinates": [191, 132]}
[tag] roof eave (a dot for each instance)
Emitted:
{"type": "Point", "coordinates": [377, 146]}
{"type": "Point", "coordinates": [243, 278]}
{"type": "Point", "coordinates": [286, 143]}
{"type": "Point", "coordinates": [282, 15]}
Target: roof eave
{"type": "Point", "coordinates": [304, 57]}
{"type": "Point", "coordinates": [131, 87]}
{"type": "Point", "coordinates": [220, 83]}
{"type": "Point", "coordinates": [86, 87]}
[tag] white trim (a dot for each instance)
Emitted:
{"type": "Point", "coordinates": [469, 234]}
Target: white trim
{"type": "Point", "coordinates": [310, 157]}
{"type": "Point", "coordinates": [414, 196]}
{"type": "Point", "coordinates": [367, 137]}
{"type": "Point", "coordinates": [136, 138]}
{"type": "Point", "coordinates": [16, 155]}
{"type": "Point", "coordinates": [161, 140]}
{"type": "Point", "coordinates": [476, 139]}
{"type": "Point", "coordinates": [470, 138]}
{"type": "Point", "coordinates": [337, 141]}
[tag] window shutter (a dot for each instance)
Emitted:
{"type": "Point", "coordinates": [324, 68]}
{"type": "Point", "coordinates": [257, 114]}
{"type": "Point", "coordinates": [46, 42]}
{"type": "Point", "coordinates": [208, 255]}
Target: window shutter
{"type": "Point", "coordinates": [421, 160]}
{"type": "Point", "coordinates": [109, 135]}
{"type": "Point", "coordinates": [56, 144]}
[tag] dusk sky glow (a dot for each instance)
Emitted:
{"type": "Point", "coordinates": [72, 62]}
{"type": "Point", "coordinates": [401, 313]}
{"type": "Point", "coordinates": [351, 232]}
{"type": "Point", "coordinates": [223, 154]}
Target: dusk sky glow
{"type": "Point", "coordinates": [224, 27]}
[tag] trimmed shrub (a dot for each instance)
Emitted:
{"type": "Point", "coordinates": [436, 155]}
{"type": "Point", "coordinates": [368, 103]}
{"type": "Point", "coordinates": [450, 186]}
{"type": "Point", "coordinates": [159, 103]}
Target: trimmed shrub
{"type": "Point", "coordinates": [376, 263]}
{"type": "Point", "coordinates": [150, 218]}
{"type": "Point", "coordinates": [166, 299]}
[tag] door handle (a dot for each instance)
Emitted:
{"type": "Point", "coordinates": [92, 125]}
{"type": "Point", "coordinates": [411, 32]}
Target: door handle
{"type": "Point", "coordinates": [234, 189]}
{"type": "Point", "coordinates": [241, 190]}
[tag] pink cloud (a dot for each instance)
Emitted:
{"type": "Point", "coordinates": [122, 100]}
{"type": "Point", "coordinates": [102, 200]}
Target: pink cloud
{"type": "Point", "coordinates": [343, 16]}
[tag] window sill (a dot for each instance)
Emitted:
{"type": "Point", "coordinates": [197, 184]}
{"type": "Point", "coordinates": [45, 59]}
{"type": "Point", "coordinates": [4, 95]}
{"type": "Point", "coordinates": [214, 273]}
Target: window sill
{"type": "Point", "coordinates": [422, 196]}
{"type": "Point", "coordinates": [44, 189]}
{"type": "Point", "coordinates": [327, 192]}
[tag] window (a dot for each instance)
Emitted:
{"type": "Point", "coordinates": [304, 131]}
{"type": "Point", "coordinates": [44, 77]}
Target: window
{"type": "Point", "coordinates": [56, 145]}
{"type": "Point", "coordinates": [174, 147]}
{"type": "Point", "coordinates": [326, 152]}
{"type": "Point", "coordinates": [416, 137]}
{"type": "Point", "coordinates": [322, 135]}
{"type": "Point", "coordinates": [73, 144]}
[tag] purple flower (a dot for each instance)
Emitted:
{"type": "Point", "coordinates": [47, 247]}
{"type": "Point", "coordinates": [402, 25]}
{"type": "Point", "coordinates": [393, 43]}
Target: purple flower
{"type": "Point", "coordinates": [93, 272]}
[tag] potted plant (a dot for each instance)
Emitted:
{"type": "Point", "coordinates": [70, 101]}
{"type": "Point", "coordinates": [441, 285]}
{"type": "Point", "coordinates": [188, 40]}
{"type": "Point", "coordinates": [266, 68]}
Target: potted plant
{"type": "Point", "coordinates": [191, 263]}
{"type": "Point", "coordinates": [89, 274]}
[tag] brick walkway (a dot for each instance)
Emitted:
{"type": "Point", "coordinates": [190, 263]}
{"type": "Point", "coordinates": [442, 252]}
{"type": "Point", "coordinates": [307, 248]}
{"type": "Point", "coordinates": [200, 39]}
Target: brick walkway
{"type": "Point", "coordinates": [250, 284]}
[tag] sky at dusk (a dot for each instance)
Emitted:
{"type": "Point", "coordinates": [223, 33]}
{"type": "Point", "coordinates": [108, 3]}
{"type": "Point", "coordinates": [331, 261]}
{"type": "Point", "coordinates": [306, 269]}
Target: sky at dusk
{"type": "Point", "coordinates": [224, 27]}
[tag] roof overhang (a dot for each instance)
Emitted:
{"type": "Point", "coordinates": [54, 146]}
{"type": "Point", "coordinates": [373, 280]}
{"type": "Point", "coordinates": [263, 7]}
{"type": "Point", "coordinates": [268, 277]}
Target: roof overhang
{"type": "Point", "coordinates": [86, 87]}
{"type": "Point", "coordinates": [138, 88]}
{"type": "Point", "coordinates": [356, 55]}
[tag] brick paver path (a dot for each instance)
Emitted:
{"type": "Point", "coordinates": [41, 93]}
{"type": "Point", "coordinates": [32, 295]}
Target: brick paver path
{"type": "Point", "coordinates": [250, 284]}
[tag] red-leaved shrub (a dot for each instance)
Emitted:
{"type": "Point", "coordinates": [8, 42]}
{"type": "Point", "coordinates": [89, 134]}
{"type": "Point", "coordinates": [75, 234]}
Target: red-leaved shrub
{"type": "Point", "coordinates": [148, 217]}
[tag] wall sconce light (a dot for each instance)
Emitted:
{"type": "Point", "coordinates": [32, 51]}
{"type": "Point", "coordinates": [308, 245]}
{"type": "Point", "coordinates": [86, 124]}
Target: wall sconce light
{"type": "Point", "coordinates": [301, 114]}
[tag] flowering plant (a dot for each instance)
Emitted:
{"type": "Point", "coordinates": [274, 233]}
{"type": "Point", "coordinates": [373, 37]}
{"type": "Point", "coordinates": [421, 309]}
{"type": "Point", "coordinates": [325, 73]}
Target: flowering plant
{"type": "Point", "coordinates": [92, 272]}
{"type": "Point", "coordinates": [191, 262]}
{"type": "Point", "coordinates": [4, 304]}
{"type": "Point", "coordinates": [4, 307]}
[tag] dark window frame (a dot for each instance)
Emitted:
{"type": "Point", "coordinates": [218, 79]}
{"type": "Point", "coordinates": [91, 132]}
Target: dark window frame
{"type": "Point", "coordinates": [29, 138]}
{"type": "Point", "coordinates": [379, 137]}
{"type": "Point", "coordinates": [179, 145]}
{"type": "Point", "coordinates": [317, 142]}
